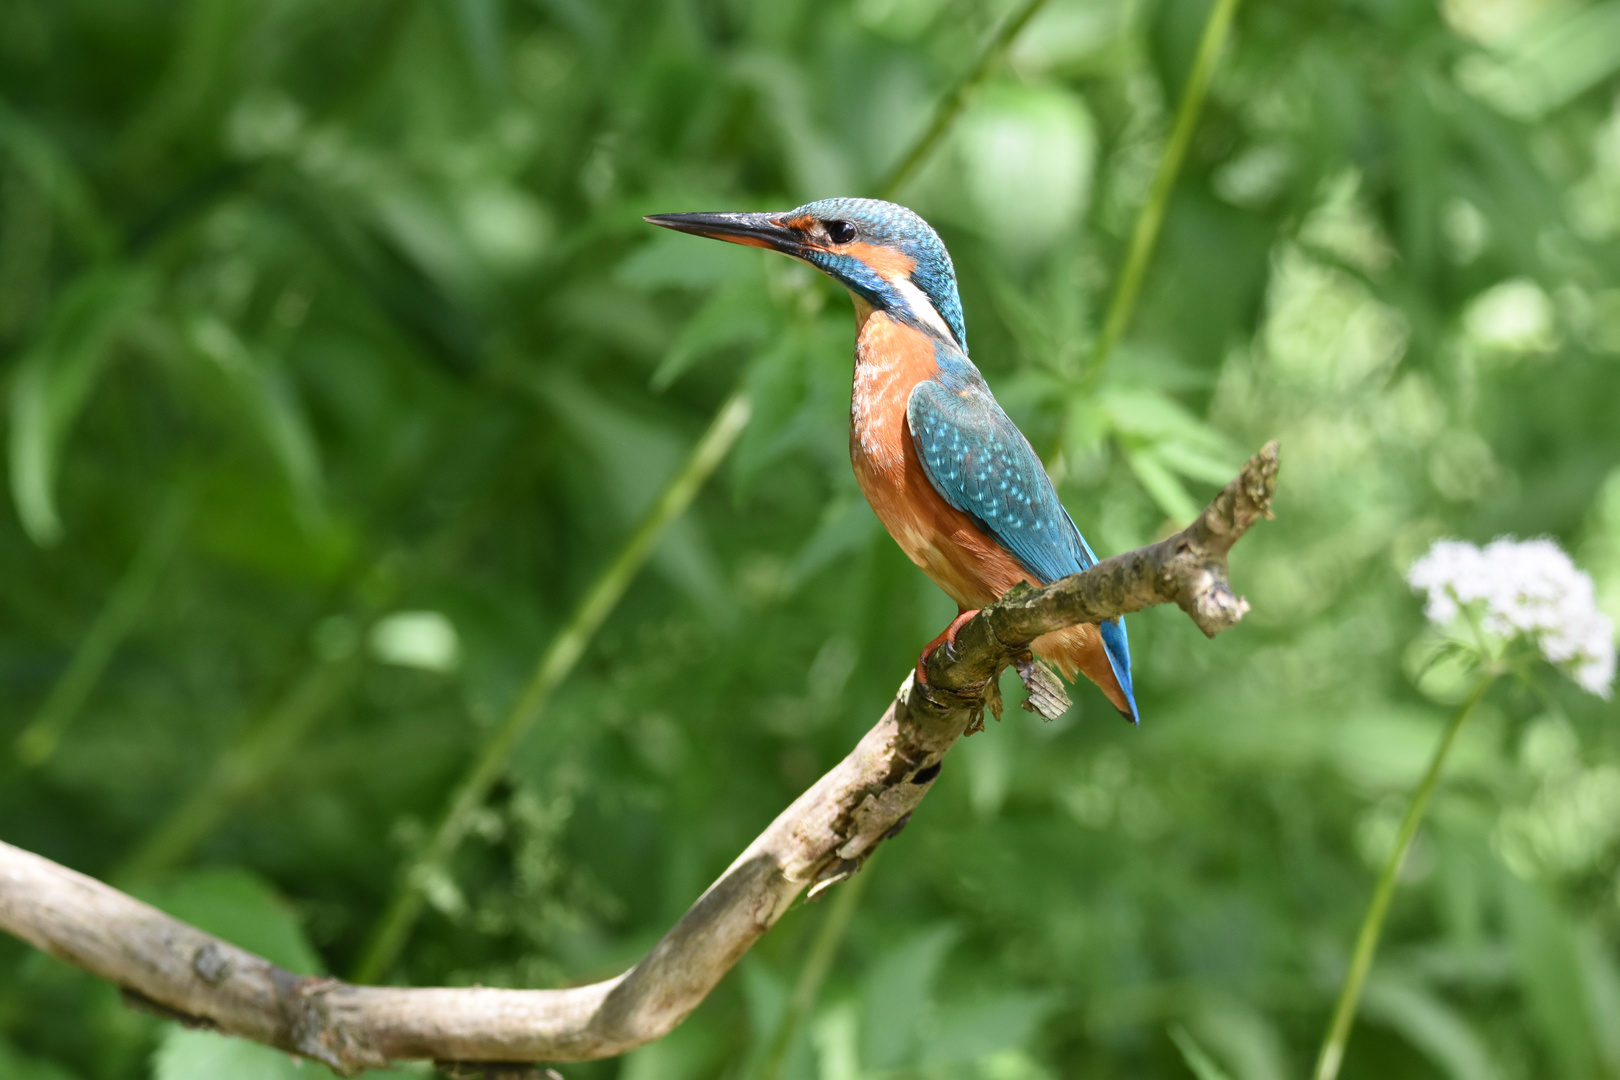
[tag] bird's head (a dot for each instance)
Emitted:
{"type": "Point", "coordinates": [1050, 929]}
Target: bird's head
{"type": "Point", "coordinates": [885, 255]}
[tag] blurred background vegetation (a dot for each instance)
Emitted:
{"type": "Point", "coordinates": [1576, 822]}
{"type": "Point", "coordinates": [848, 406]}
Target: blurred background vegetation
{"type": "Point", "coordinates": [338, 364]}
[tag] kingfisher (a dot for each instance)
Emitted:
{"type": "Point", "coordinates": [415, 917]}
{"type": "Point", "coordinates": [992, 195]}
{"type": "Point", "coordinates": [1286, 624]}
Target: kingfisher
{"type": "Point", "coordinates": [948, 473]}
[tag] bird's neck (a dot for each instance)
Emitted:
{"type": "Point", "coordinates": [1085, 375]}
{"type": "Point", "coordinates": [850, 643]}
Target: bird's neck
{"type": "Point", "coordinates": [905, 303]}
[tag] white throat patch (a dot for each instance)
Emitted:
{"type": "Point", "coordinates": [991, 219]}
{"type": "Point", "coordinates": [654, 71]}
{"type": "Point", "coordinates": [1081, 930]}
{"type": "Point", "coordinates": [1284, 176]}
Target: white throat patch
{"type": "Point", "coordinates": [921, 307]}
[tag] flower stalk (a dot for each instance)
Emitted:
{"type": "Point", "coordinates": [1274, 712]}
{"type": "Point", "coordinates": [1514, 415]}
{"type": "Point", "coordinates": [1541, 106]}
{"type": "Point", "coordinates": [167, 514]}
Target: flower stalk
{"type": "Point", "coordinates": [1331, 1055]}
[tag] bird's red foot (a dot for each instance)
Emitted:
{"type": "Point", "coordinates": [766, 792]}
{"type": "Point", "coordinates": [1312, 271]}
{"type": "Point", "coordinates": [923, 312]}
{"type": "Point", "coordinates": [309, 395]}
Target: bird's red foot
{"type": "Point", "coordinates": [948, 637]}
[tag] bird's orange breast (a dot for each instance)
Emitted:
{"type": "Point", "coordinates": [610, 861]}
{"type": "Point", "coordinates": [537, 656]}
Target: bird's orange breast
{"type": "Point", "coordinates": [890, 359]}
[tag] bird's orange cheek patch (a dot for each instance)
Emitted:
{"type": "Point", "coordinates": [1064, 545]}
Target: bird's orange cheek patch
{"type": "Point", "coordinates": [888, 262]}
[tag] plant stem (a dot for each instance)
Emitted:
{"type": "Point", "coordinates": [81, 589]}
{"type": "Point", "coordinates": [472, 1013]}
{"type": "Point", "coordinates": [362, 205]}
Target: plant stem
{"type": "Point", "coordinates": [829, 936]}
{"type": "Point", "coordinates": [956, 98]}
{"type": "Point", "coordinates": [1372, 924]}
{"type": "Point", "coordinates": [1145, 235]}
{"type": "Point", "coordinates": [246, 766]}
{"type": "Point", "coordinates": [389, 934]}
{"type": "Point", "coordinates": [39, 740]}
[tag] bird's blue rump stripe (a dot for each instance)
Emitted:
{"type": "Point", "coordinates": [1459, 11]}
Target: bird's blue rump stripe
{"type": "Point", "coordinates": [1118, 648]}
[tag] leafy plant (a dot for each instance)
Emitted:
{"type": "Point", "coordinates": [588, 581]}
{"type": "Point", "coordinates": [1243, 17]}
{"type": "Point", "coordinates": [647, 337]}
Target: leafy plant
{"type": "Point", "coordinates": [367, 284]}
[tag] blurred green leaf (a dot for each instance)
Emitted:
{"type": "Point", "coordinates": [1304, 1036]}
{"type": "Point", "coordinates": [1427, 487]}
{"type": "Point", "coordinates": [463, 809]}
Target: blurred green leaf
{"type": "Point", "coordinates": [835, 1038]}
{"type": "Point", "coordinates": [57, 178]}
{"type": "Point", "coordinates": [1200, 460]}
{"type": "Point", "coordinates": [270, 406]}
{"type": "Point", "coordinates": [1160, 483]}
{"type": "Point", "coordinates": [1028, 154]}
{"type": "Point", "coordinates": [990, 770]}
{"type": "Point", "coordinates": [1545, 947]}
{"type": "Point", "coordinates": [1198, 1061]}
{"type": "Point", "coordinates": [426, 231]}
{"type": "Point", "coordinates": [480, 25]}
{"type": "Point", "coordinates": [16, 1066]}
{"type": "Point", "coordinates": [206, 1055]}
{"type": "Point", "coordinates": [55, 378]}
{"type": "Point", "coordinates": [1601, 976]}
{"type": "Point", "coordinates": [635, 456]}
{"type": "Point", "coordinates": [896, 995]}
{"type": "Point", "coordinates": [971, 1030]}
{"type": "Point", "coordinates": [766, 998]}
{"type": "Point", "coordinates": [1431, 1025]}
{"type": "Point", "coordinates": [777, 385]}
{"type": "Point", "coordinates": [671, 260]}
{"type": "Point", "coordinates": [1566, 52]}
{"type": "Point", "coordinates": [1245, 1036]}
{"type": "Point", "coordinates": [846, 526]}
{"type": "Point", "coordinates": [739, 313]}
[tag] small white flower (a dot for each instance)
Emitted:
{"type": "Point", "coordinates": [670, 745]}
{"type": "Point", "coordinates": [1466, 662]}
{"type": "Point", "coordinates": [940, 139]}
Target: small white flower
{"type": "Point", "coordinates": [1523, 588]}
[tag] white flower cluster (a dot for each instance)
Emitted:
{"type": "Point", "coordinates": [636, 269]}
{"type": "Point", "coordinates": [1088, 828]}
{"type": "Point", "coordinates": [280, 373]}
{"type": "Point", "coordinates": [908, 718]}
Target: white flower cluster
{"type": "Point", "coordinates": [1524, 588]}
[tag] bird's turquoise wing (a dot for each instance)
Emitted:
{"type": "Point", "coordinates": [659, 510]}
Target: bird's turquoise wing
{"type": "Point", "coordinates": [981, 463]}
{"type": "Point", "coordinates": [976, 458]}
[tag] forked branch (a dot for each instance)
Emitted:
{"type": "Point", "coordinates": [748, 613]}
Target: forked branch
{"type": "Point", "coordinates": [821, 839]}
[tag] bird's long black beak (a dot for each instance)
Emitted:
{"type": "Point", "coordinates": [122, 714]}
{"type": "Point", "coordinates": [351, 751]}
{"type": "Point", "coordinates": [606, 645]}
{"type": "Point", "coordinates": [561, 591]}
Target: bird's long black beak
{"type": "Point", "coordinates": [755, 230]}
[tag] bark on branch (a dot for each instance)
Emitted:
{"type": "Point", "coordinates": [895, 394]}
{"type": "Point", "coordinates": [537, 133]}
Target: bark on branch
{"type": "Point", "coordinates": [821, 839]}
{"type": "Point", "coordinates": [1187, 569]}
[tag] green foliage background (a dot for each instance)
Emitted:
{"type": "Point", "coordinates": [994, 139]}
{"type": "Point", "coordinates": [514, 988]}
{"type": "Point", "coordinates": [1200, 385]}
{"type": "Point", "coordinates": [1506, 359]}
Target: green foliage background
{"type": "Point", "coordinates": [339, 362]}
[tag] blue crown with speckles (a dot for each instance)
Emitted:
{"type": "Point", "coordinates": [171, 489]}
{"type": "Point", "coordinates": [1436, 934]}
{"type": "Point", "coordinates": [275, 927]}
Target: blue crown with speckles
{"type": "Point", "coordinates": [891, 225]}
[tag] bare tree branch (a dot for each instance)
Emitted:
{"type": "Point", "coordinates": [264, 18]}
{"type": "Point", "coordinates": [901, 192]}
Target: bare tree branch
{"type": "Point", "coordinates": [1187, 569]}
{"type": "Point", "coordinates": [821, 839]}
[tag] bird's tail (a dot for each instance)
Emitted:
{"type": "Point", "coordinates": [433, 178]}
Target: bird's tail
{"type": "Point", "coordinates": [1100, 653]}
{"type": "Point", "coordinates": [1118, 648]}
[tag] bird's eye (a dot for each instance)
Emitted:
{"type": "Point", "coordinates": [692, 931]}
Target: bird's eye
{"type": "Point", "coordinates": [840, 232]}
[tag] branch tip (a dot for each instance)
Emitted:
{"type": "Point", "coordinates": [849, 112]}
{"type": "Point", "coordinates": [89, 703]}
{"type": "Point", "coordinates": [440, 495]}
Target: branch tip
{"type": "Point", "coordinates": [1187, 569]}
